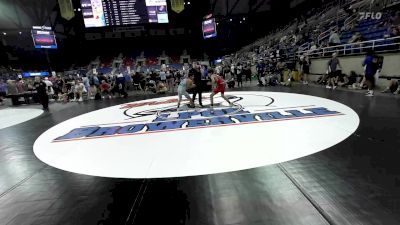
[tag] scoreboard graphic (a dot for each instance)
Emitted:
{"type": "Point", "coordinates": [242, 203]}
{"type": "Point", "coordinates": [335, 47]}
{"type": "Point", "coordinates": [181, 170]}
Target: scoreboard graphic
{"type": "Point", "coordinates": [43, 37]}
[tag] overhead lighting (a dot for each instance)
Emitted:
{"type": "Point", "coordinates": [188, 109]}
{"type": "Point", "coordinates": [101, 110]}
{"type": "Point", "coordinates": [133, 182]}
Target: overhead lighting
{"type": "Point", "coordinates": [4, 33]}
{"type": "Point", "coordinates": [79, 9]}
{"type": "Point", "coordinates": [244, 18]}
{"type": "Point", "coordinates": [230, 20]}
{"type": "Point", "coordinates": [20, 32]}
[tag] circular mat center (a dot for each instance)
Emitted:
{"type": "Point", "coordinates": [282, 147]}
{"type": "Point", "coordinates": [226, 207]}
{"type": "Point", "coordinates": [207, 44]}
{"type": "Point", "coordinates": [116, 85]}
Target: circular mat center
{"type": "Point", "coordinates": [154, 139]}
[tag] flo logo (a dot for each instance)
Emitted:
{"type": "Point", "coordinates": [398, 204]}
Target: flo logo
{"type": "Point", "coordinates": [370, 15]}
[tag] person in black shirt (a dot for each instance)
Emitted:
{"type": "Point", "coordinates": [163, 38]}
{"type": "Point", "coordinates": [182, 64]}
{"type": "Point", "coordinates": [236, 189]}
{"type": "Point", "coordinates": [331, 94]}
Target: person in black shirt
{"type": "Point", "coordinates": [41, 89]}
{"type": "Point", "coordinates": [198, 89]}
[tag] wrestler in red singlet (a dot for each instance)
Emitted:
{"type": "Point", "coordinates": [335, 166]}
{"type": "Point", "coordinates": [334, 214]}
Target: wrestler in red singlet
{"type": "Point", "coordinates": [220, 87]}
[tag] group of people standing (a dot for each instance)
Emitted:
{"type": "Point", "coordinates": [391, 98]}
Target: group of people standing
{"type": "Point", "coordinates": [372, 65]}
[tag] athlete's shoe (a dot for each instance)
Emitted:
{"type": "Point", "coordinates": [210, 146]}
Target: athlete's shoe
{"type": "Point", "coordinates": [369, 94]}
{"type": "Point", "coordinates": [328, 87]}
{"type": "Point", "coordinates": [396, 92]}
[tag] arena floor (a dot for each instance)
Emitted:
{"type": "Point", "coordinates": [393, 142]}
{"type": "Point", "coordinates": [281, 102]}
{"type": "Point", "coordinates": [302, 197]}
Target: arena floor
{"type": "Point", "coordinates": [354, 182]}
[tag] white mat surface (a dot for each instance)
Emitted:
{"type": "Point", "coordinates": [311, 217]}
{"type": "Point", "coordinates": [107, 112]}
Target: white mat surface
{"type": "Point", "coordinates": [12, 116]}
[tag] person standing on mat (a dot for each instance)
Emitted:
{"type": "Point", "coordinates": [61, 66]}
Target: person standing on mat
{"type": "Point", "coordinates": [195, 71]}
{"type": "Point", "coordinates": [41, 89]}
{"type": "Point", "coordinates": [371, 68]}
{"type": "Point", "coordinates": [219, 83]}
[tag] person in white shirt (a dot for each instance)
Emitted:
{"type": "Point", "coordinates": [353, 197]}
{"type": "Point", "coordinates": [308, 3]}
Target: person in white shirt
{"type": "Point", "coordinates": [49, 86]}
{"type": "Point", "coordinates": [163, 76]}
{"type": "Point", "coordinates": [79, 89]}
{"type": "Point", "coordinates": [334, 39]}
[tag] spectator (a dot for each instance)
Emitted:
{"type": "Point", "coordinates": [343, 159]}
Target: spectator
{"type": "Point", "coordinates": [86, 83]}
{"type": "Point", "coordinates": [230, 80]}
{"type": "Point", "coordinates": [357, 37]}
{"type": "Point", "coordinates": [170, 80]}
{"type": "Point", "coordinates": [334, 39]}
{"type": "Point", "coordinates": [151, 85]}
{"type": "Point", "coordinates": [162, 88]}
{"type": "Point", "coordinates": [260, 70]}
{"type": "Point", "coordinates": [79, 89]}
{"type": "Point", "coordinates": [97, 93]}
{"type": "Point", "coordinates": [394, 31]}
{"type": "Point", "coordinates": [128, 82]}
{"type": "Point", "coordinates": [371, 67]}
{"type": "Point", "coordinates": [239, 78]}
{"type": "Point", "coordinates": [96, 81]}
{"type": "Point", "coordinates": [288, 82]}
{"type": "Point", "coordinates": [105, 89]}
{"type": "Point", "coordinates": [139, 81]}
{"type": "Point", "coordinates": [348, 80]}
{"type": "Point", "coordinates": [393, 87]}
{"type": "Point", "coordinates": [280, 66]}
{"type": "Point", "coordinates": [396, 19]}
{"type": "Point", "coordinates": [113, 88]}
{"type": "Point", "coordinates": [163, 76]}
{"type": "Point", "coordinates": [313, 48]}
{"type": "Point", "coordinates": [247, 72]}
{"type": "Point", "coordinates": [333, 71]}
{"type": "Point", "coordinates": [49, 86]}
{"type": "Point", "coordinates": [21, 86]}
{"type": "Point", "coordinates": [3, 91]}
{"type": "Point", "coordinates": [121, 85]}
{"type": "Point", "coordinates": [304, 68]}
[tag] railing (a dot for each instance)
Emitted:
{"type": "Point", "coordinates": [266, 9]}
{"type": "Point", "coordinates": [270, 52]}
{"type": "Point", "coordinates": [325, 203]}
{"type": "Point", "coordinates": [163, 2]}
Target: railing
{"type": "Point", "coordinates": [304, 47]}
{"type": "Point", "coordinates": [390, 3]}
{"type": "Point", "coordinates": [352, 48]}
{"type": "Point", "coordinates": [350, 20]}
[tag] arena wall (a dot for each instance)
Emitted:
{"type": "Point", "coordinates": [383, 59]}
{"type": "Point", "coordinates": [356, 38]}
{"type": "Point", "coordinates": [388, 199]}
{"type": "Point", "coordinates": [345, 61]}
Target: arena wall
{"type": "Point", "coordinates": [391, 66]}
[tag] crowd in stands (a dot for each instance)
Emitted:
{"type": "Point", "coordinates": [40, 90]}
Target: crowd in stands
{"type": "Point", "coordinates": [329, 28]}
{"type": "Point", "coordinates": [285, 52]}
{"type": "Point", "coordinates": [274, 60]}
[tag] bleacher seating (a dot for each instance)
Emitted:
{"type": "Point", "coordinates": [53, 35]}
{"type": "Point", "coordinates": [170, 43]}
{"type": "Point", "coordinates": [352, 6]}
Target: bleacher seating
{"type": "Point", "coordinates": [368, 30]}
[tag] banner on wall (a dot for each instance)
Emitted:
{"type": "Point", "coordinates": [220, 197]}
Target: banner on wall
{"type": "Point", "coordinates": [66, 9]}
{"type": "Point", "coordinates": [177, 5]}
